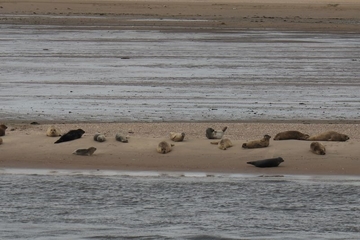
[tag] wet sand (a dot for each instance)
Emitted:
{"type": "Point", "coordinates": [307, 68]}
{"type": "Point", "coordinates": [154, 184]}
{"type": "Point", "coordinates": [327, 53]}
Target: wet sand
{"type": "Point", "coordinates": [27, 146]}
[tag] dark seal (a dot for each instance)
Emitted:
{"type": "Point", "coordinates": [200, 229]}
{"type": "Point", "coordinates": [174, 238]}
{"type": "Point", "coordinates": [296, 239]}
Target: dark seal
{"type": "Point", "coordinates": [71, 135]}
{"type": "Point", "coordinates": [270, 162]}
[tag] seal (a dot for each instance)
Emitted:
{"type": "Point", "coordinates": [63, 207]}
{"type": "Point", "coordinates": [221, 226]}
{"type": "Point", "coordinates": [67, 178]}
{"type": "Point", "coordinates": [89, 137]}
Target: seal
{"type": "Point", "coordinates": [177, 137]}
{"type": "Point", "coordinates": [265, 163]}
{"type": "Point", "coordinates": [291, 135]}
{"type": "Point", "coordinates": [215, 134]}
{"type": "Point", "coordinates": [330, 136]}
{"type": "Point", "coordinates": [224, 143]}
{"type": "Point", "coordinates": [52, 131]}
{"type": "Point", "coordinates": [317, 148]}
{"type": "Point", "coordinates": [164, 147]}
{"type": "Point", "coordinates": [1, 141]}
{"type": "Point", "coordinates": [85, 151]}
{"type": "Point", "coordinates": [121, 138]}
{"type": "Point", "coordinates": [98, 137]}
{"type": "Point", "coordinates": [264, 142]}
{"type": "Point", "coordinates": [71, 135]}
{"type": "Point", "coordinates": [2, 129]}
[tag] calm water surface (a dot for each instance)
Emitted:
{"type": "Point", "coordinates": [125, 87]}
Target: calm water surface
{"type": "Point", "coordinates": [143, 205]}
{"type": "Point", "coordinates": [66, 73]}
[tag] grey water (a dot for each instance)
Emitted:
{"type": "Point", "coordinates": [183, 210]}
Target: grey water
{"type": "Point", "coordinates": [72, 73]}
{"type": "Point", "coordinates": [45, 204]}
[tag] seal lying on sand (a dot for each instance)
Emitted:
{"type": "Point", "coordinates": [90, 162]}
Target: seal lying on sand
{"type": "Point", "coordinates": [215, 134]}
{"type": "Point", "coordinates": [177, 137]}
{"type": "Point", "coordinates": [223, 144]}
{"type": "Point", "coordinates": [121, 138]}
{"type": "Point", "coordinates": [270, 162]}
{"type": "Point", "coordinates": [52, 131]}
{"type": "Point", "coordinates": [98, 137]}
{"type": "Point", "coordinates": [71, 135]}
{"type": "Point", "coordinates": [85, 151]}
{"type": "Point", "coordinates": [2, 129]}
{"type": "Point", "coordinates": [291, 135]}
{"type": "Point", "coordinates": [329, 136]}
{"type": "Point", "coordinates": [1, 141]}
{"type": "Point", "coordinates": [317, 148]}
{"type": "Point", "coordinates": [258, 143]}
{"type": "Point", "coordinates": [164, 147]}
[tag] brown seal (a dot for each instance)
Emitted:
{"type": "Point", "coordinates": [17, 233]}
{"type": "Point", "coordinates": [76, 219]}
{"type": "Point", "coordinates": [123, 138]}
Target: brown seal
{"type": "Point", "coordinates": [215, 134]}
{"type": "Point", "coordinates": [85, 151]}
{"type": "Point", "coordinates": [177, 137]}
{"type": "Point", "coordinates": [330, 136]}
{"type": "Point", "coordinates": [223, 144]}
{"type": "Point", "coordinates": [291, 135]}
{"type": "Point", "coordinates": [317, 148]}
{"type": "Point", "coordinates": [164, 147]}
{"type": "Point", "coordinates": [2, 129]}
{"type": "Point", "coordinates": [264, 142]}
{"type": "Point", "coordinates": [121, 138]}
{"type": "Point", "coordinates": [98, 137]}
{"type": "Point", "coordinates": [270, 162]}
{"type": "Point", "coordinates": [52, 131]}
{"type": "Point", "coordinates": [1, 141]}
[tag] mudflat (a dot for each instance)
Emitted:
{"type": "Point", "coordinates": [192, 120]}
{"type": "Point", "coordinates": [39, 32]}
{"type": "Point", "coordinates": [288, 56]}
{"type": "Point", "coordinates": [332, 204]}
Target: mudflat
{"type": "Point", "coordinates": [319, 15]}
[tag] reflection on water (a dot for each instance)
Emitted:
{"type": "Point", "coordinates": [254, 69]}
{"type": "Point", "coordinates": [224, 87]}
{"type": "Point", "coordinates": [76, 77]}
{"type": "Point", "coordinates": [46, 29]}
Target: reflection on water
{"type": "Point", "coordinates": [110, 205]}
{"type": "Point", "coordinates": [66, 73]}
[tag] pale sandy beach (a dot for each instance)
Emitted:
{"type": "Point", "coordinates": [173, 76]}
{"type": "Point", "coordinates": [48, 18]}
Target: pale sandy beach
{"type": "Point", "coordinates": [27, 146]}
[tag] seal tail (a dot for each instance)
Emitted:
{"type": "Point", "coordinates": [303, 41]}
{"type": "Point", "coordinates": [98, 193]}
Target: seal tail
{"type": "Point", "coordinates": [215, 143]}
{"type": "Point", "coordinates": [252, 163]}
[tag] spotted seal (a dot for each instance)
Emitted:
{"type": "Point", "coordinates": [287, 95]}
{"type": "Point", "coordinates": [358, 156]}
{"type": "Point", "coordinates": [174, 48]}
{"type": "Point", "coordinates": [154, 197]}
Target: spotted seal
{"type": "Point", "coordinates": [291, 135]}
{"type": "Point", "coordinates": [52, 131]}
{"type": "Point", "coordinates": [317, 148]}
{"type": "Point", "coordinates": [121, 138]}
{"type": "Point", "coordinates": [265, 163]}
{"type": "Point", "coordinates": [215, 134]}
{"type": "Point", "coordinates": [71, 135]}
{"type": "Point", "coordinates": [164, 147]}
{"type": "Point", "coordinates": [264, 142]}
{"type": "Point", "coordinates": [329, 136]}
{"type": "Point", "coordinates": [177, 137]}
{"type": "Point", "coordinates": [98, 137]}
{"type": "Point", "coordinates": [85, 151]}
{"type": "Point", "coordinates": [224, 143]}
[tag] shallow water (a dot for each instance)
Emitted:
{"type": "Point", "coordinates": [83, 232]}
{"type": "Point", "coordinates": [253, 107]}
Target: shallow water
{"type": "Point", "coordinates": [82, 74]}
{"type": "Point", "coordinates": [45, 204]}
